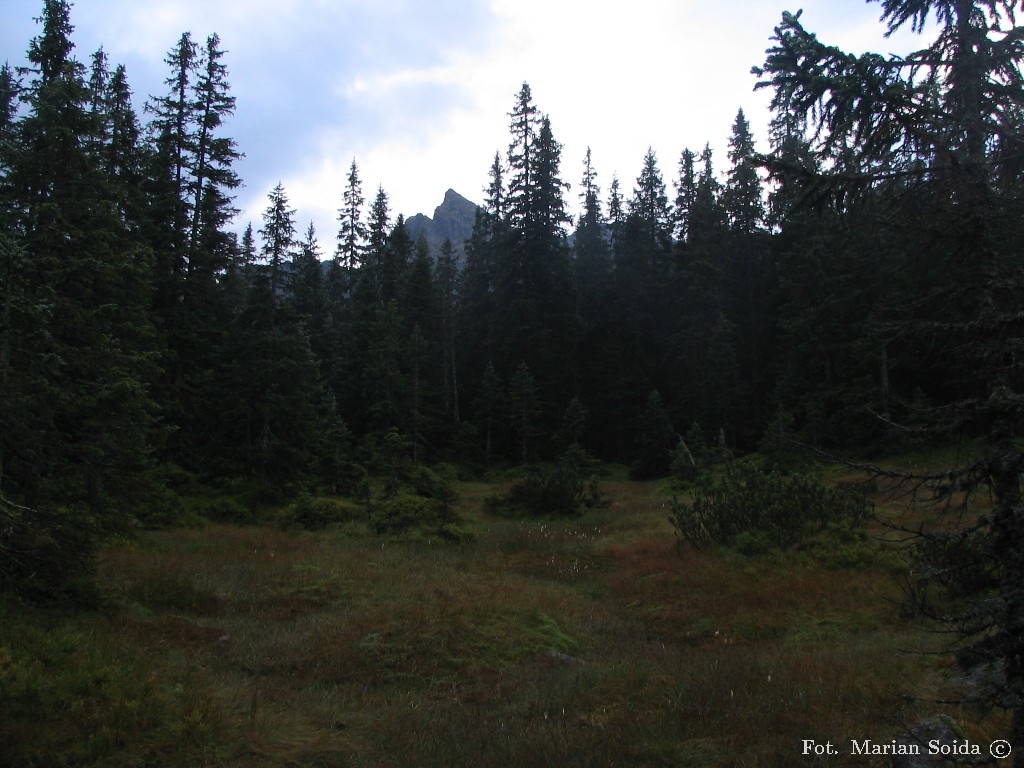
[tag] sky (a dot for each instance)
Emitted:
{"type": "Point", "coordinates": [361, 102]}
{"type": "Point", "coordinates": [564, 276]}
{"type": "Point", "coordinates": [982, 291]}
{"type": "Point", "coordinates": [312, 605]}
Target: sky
{"type": "Point", "coordinates": [418, 93]}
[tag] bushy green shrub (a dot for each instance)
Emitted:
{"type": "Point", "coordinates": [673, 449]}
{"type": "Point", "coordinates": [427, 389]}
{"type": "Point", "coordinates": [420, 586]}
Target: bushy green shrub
{"type": "Point", "coordinates": [753, 510]}
{"type": "Point", "coordinates": [315, 514]}
{"type": "Point", "coordinates": [404, 513]}
{"type": "Point", "coordinates": [425, 504]}
{"type": "Point", "coordinates": [561, 489]}
{"type": "Point", "coordinates": [437, 484]}
{"type": "Point", "coordinates": [420, 516]}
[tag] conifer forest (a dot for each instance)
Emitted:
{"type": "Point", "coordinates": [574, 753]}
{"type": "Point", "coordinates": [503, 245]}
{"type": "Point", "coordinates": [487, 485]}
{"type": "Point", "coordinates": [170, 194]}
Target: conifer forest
{"type": "Point", "coordinates": [855, 289]}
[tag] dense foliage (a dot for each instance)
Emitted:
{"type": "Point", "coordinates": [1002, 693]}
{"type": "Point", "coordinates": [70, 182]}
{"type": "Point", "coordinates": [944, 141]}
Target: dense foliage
{"type": "Point", "coordinates": [566, 487]}
{"type": "Point", "coordinates": [745, 506]}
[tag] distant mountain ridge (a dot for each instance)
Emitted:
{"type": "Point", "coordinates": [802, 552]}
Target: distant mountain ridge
{"type": "Point", "coordinates": [453, 220]}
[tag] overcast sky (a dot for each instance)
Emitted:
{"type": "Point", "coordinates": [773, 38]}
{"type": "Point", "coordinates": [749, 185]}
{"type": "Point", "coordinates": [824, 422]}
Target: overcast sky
{"type": "Point", "coordinates": [419, 92]}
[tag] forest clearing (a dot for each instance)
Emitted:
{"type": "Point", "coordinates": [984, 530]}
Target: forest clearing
{"type": "Point", "coordinates": [584, 641]}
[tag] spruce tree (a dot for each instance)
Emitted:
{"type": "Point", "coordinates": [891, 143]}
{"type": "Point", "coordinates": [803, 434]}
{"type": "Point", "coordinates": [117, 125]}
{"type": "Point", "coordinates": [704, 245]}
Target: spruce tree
{"type": "Point", "coordinates": [278, 415]}
{"type": "Point", "coordinates": [522, 159]}
{"type": "Point", "coordinates": [352, 233]}
{"type": "Point", "coordinates": [308, 295]}
{"type": "Point", "coordinates": [748, 278]}
{"type": "Point", "coordinates": [649, 224]}
{"type": "Point", "coordinates": [278, 234]}
{"type": "Point", "coordinates": [686, 195]}
{"type": "Point", "coordinates": [616, 218]}
{"type": "Point", "coordinates": [742, 198]}
{"type": "Point", "coordinates": [591, 254]}
{"type": "Point", "coordinates": [172, 140]}
{"type": "Point", "coordinates": [422, 315]}
{"type": "Point", "coordinates": [196, 296]}
{"type": "Point", "coordinates": [916, 151]}
{"type": "Point", "coordinates": [212, 173]}
{"type": "Point", "coordinates": [590, 225]}
{"type": "Point", "coordinates": [708, 217]}
{"type": "Point", "coordinates": [74, 266]}
{"type": "Point", "coordinates": [533, 274]}
{"type": "Point", "coordinates": [397, 260]}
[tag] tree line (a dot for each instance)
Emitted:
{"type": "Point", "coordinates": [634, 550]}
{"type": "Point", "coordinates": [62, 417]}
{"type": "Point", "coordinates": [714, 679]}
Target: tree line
{"type": "Point", "coordinates": [139, 331]}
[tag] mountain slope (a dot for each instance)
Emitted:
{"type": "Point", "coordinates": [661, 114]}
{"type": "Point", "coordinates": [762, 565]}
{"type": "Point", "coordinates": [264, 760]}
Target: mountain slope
{"type": "Point", "coordinates": [453, 220]}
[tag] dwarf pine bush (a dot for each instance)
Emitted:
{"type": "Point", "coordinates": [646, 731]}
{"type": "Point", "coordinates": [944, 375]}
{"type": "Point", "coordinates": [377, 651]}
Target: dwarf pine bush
{"type": "Point", "coordinates": [777, 510]}
{"type": "Point", "coordinates": [563, 489]}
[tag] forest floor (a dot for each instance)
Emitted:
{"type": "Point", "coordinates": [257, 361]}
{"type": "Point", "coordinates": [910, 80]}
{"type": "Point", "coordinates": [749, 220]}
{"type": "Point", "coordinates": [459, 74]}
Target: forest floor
{"type": "Point", "coordinates": [582, 642]}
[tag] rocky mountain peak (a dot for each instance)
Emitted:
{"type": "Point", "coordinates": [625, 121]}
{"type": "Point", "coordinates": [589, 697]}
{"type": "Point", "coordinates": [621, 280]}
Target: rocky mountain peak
{"type": "Point", "coordinates": [453, 220]}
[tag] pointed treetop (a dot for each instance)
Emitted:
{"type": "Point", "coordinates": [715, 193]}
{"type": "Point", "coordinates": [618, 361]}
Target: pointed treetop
{"type": "Point", "coordinates": [590, 193]}
{"type": "Point", "coordinates": [650, 203]}
{"type": "Point", "coordinates": [51, 51]}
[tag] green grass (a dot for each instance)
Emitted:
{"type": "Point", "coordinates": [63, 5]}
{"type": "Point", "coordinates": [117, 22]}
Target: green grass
{"type": "Point", "coordinates": [583, 642]}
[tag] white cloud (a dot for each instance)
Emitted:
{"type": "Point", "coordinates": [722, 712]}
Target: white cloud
{"type": "Point", "coordinates": [419, 93]}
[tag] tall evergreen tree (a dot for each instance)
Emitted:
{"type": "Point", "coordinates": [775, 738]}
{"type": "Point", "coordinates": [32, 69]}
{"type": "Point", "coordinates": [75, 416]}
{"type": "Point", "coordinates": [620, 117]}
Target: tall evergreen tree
{"type": "Point", "coordinates": [172, 138]}
{"type": "Point", "coordinates": [212, 176]}
{"type": "Point", "coordinates": [276, 418]}
{"type": "Point", "coordinates": [915, 148]}
{"type": "Point", "coordinates": [590, 196]}
{"type": "Point", "coordinates": [649, 224]}
{"type": "Point", "coordinates": [708, 216]}
{"type": "Point", "coordinates": [308, 290]}
{"type": "Point", "coordinates": [742, 198]}
{"type": "Point", "coordinates": [686, 195]}
{"type": "Point", "coordinates": [496, 201]}
{"type": "Point", "coordinates": [87, 445]}
{"type": "Point", "coordinates": [748, 277]}
{"type": "Point", "coordinates": [278, 235]}
{"type": "Point", "coordinates": [592, 262]}
{"type": "Point", "coordinates": [533, 281]}
{"type": "Point", "coordinates": [422, 316]}
{"type": "Point", "coordinates": [616, 217]}
{"type": "Point", "coordinates": [522, 159]}
{"type": "Point", "coordinates": [398, 258]}
{"type": "Point", "coordinates": [551, 213]}
{"type": "Point", "coordinates": [352, 233]}
{"type": "Point", "coordinates": [192, 182]}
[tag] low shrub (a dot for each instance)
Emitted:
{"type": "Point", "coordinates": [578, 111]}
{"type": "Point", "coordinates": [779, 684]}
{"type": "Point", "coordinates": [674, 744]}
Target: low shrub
{"type": "Point", "coordinates": [404, 513]}
{"type": "Point", "coordinates": [563, 489]}
{"type": "Point", "coordinates": [754, 511]}
{"type": "Point", "coordinates": [425, 503]}
{"type": "Point", "coordinates": [314, 514]}
{"type": "Point", "coordinates": [419, 516]}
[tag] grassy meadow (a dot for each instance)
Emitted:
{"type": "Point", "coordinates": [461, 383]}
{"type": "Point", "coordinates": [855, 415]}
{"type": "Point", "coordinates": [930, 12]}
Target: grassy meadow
{"type": "Point", "coordinates": [566, 642]}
